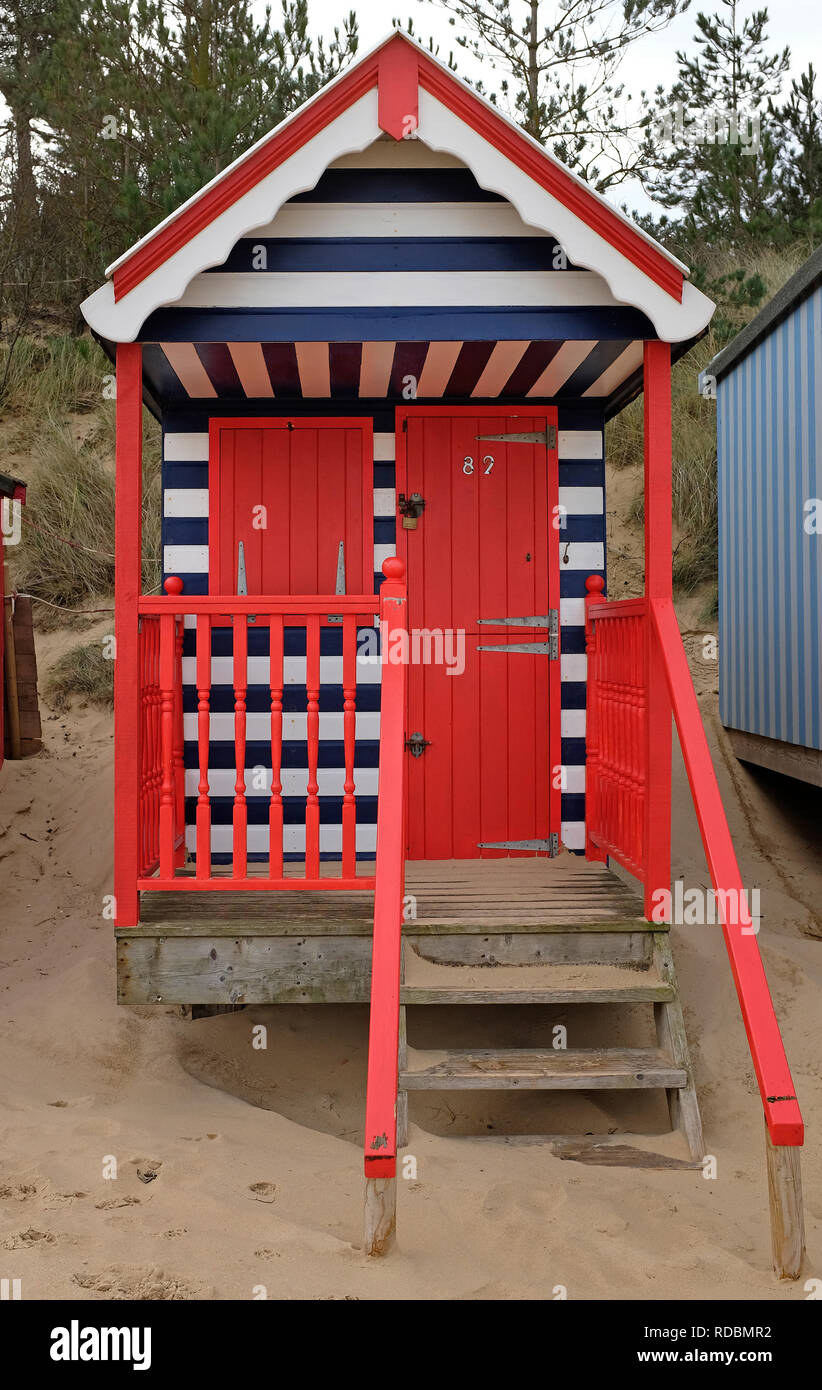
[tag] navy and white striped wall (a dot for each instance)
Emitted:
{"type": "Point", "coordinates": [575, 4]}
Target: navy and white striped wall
{"type": "Point", "coordinates": [185, 553]}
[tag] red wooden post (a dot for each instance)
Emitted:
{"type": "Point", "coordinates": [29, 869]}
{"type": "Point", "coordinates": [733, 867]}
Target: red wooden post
{"type": "Point", "coordinates": [167, 701]}
{"type": "Point", "coordinates": [381, 1098]}
{"type": "Point", "coordinates": [658, 586]}
{"type": "Point", "coordinates": [145, 628]}
{"type": "Point", "coordinates": [312, 803]}
{"type": "Point", "coordinates": [349, 807]}
{"type": "Point", "coordinates": [239, 867]}
{"type": "Point", "coordinates": [128, 582]}
{"type": "Point", "coordinates": [203, 678]}
{"type": "Point", "coordinates": [275, 809]}
{"type": "Point", "coordinates": [179, 753]}
{"type": "Point", "coordinates": [594, 585]}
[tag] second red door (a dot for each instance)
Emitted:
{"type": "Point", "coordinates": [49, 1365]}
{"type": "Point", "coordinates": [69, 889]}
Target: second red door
{"type": "Point", "coordinates": [485, 547]}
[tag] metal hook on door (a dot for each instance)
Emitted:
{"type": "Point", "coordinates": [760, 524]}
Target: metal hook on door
{"type": "Point", "coordinates": [339, 587]}
{"type": "Point", "coordinates": [242, 577]}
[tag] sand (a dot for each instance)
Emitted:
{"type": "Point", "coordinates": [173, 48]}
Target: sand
{"type": "Point", "coordinates": [239, 1171]}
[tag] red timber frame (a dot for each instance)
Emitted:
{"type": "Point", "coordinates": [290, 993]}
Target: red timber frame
{"type": "Point", "coordinates": [510, 409]}
{"type": "Point", "coordinates": [128, 549]}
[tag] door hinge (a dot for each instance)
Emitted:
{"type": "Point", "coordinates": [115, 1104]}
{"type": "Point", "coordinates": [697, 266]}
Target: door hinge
{"type": "Point", "coordinates": [548, 437]}
{"type": "Point", "coordinates": [549, 846]}
{"type": "Point", "coordinates": [549, 648]}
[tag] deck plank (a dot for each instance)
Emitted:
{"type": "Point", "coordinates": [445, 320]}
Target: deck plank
{"type": "Point", "coordinates": [449, 895]}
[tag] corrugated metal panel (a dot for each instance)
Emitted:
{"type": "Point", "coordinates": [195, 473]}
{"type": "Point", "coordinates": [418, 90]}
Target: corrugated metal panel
{"type": "Point", "coordinates": [770, 569]}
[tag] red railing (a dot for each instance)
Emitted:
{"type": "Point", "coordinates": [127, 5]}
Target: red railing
{"type": "Point", "coordinates": [383, 1038]}
{"type": "Point", "coordinates": [616, 729]}
{"type": "Point", "coordinates": [161, 780]}
{"type": "Point", "coordinates": [162, 806]}
{"type": "Point", "coordinates": [619, 769]}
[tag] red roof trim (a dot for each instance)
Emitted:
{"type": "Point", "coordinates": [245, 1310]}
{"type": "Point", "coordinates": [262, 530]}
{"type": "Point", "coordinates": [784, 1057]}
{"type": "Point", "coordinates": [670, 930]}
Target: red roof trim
{"type": "Point", "coordinates": [271, 153]}
{"type": "Point", "coordinates": [399, 106]}
{"type": "Point", "coordinates": [555, 180]}
{"type": "Point", "coordinates": [398, 67]}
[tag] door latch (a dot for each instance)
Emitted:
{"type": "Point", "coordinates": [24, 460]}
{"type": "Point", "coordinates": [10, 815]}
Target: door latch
{"type": "Point", "coordinates": [410, 508]}
{"type": "Point", "coordinates": [416, 745]}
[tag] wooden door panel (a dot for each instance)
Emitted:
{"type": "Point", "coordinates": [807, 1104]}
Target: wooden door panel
{"type": "Point", "coordinates": [315, 481]}
{"type": "Point", "coordinates": [484, 548]}
{"type": "Point", "coordinates": [468, 558]}
{"type": "Point", "coordinates": [485, 774]}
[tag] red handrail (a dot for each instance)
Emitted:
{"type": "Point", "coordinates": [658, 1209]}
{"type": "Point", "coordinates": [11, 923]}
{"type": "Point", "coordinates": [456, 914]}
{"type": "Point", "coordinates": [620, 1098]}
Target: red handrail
{"type": "Point", "coordinates": [383, 1037]}
{"type": "Point", "coordinates": [618, 770]}
{"type": "Point", "coordinates": [782, 1113]}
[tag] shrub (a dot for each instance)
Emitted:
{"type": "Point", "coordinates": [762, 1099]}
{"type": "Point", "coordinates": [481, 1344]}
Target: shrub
{"type": "Point", "coordinates": [82, 671]}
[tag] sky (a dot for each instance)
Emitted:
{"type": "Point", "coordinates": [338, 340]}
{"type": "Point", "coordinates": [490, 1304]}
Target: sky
{"type": "Point", "coordinates": [796, 24]}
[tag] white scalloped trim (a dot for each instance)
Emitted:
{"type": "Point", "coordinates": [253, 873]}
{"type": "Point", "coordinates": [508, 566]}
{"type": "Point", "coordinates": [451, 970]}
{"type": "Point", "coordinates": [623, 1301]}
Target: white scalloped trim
{"type": "Point", "coordinates": [121, 322]}
{"type": "Point", "coordinates": [353, 131]}
{"type": "Point", "coordinates": [673, 321]}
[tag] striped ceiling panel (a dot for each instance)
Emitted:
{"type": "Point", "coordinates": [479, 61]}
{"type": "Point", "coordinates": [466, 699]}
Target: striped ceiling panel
{"type": "Point", "coordinates": [390, 371]}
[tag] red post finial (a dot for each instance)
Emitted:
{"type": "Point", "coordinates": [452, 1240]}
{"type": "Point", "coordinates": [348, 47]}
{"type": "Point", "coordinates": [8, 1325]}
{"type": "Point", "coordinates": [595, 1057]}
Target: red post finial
{"type": "Point", "coordinates": [595, 585]}
{"type": "Point", "coordinates": [394, 568]}
{"type": "Point", "coordinates": [173, 586]}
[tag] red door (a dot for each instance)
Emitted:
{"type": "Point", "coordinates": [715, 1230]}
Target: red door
{"type": "Point", "coordinates": [484, 547]}
{"type": "Point", "coordinates": [291, 490]}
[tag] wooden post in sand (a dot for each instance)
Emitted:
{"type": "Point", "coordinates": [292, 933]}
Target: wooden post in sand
{"type": "Point", "coordinates": [12, 695]}
{"type": "Point", "coordinates": [380, 1218]}
{"type": "Point", "coordinates": [785, 1201]}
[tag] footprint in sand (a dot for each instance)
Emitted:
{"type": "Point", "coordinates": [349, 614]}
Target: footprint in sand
{"type": "Point", "coordinates": [140, 1283]}
{"type": "Point", "coordinates": [147, 1168]}
{"type": "Point", "coordinates": [263, 1191]}
{"type": "Point", "coordinates": [17, 1192]}
{"type": "Point", "coordinates": [112, 1202]}
{"type": "Point", "coordinates": [27, 1240]}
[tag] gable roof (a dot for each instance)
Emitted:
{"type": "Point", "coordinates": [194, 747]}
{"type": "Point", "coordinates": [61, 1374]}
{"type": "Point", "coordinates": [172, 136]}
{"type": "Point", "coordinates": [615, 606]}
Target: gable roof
{"type": "Point", "coordinates": [400, 90]}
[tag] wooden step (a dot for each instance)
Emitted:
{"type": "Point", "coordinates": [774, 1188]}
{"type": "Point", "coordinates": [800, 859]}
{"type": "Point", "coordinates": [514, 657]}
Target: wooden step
{"type": "Point", "coordinates": [497, 1069]}
{"type": "Point", "coordinates": [428, 982]}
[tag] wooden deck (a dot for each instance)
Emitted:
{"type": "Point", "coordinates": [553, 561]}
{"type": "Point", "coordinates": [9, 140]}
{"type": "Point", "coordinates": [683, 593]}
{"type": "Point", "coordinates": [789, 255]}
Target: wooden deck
{"type": "Point", "coordinates": [218, 948]}
{"type": "Point", "coordinates": [469, 895]}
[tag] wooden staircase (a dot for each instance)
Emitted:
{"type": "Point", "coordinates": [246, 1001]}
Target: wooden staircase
{"type": "Point", "coordinates": [541, 932]}
{"type": "Point", "coordinates": [524, 932]}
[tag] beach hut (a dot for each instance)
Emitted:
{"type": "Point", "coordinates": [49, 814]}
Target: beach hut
{"type": "Point", "coordinates": [12, 497]}
{"type": "Point", "coordinates": [768, 385]}
{"type": "Point", "coordinates": [383, 726]}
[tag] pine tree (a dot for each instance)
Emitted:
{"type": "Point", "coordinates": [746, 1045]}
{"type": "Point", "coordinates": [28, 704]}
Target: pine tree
{"type": "Point", "coordinates": [799, 123]}
{"type": "Point", "coordinates": [558, 62]}
{"type": "Point", "coordinates": [142, 102]}
{"type": "Point", "coordinates": [722, 149]}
